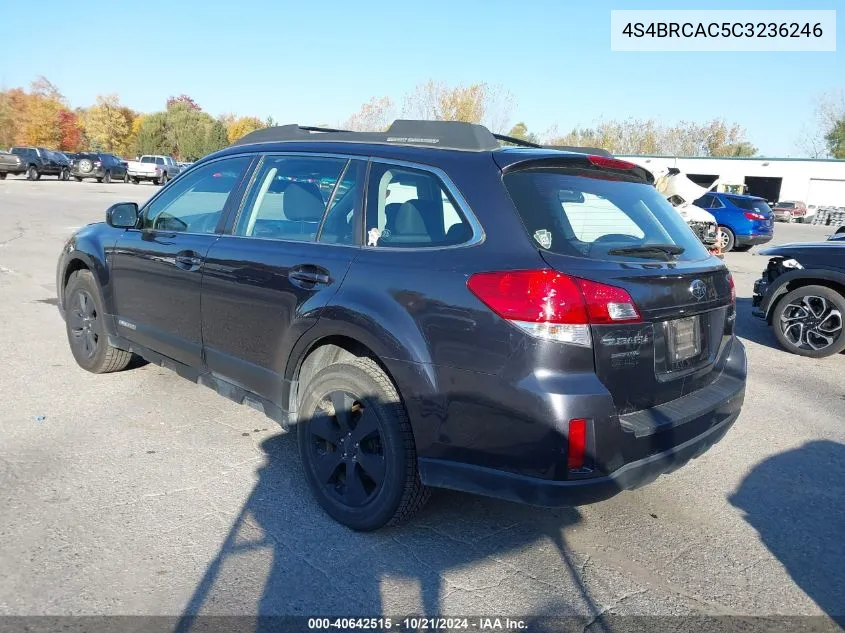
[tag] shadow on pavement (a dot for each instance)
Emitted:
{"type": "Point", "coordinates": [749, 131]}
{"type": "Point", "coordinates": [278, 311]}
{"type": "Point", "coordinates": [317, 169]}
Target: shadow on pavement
{"type": "Point", "coordinates": [318, 567]}
{"type": "Point", "coordinates": [751, 328]}
{"type": "Point", "coordinates": [796, 502]}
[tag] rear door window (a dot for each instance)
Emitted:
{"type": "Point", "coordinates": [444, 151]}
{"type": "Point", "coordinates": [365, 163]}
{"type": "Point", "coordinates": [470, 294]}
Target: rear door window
{"type": "Point", "coordinates": [412, 208]}
{"type": "Point", "coordinates": [289, 196]}
{"type": "Point", "coordinates": [570, 213]}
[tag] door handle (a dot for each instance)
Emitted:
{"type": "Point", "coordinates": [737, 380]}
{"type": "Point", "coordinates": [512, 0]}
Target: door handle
{"type": "Point", "coordinates": [309, 274]}
{"type": "Point", "coordinates": [187, 260]}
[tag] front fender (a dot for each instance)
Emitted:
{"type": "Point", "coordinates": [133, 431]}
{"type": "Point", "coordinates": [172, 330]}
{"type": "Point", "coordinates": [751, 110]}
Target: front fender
{"type": "Point", "coordinates": [88, 248]}
{"type": "Point", "coordinates": [806, 276]}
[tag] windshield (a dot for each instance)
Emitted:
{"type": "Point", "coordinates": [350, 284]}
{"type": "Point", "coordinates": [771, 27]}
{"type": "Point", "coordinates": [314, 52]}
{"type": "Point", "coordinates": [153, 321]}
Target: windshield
{"type": "Point", "coordinates": [751, 204]}
{"type": "Point", "coordinates": [599, 218]}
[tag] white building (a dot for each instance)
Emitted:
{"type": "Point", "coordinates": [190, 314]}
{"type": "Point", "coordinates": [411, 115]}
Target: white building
{"type": "Point", "coordinates": [819, 182]}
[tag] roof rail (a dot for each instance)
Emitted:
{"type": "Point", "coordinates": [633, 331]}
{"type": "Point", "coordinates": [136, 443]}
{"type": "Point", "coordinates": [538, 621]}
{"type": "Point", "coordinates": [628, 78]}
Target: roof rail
{"type": "Point", "coordinates": [440, 134]}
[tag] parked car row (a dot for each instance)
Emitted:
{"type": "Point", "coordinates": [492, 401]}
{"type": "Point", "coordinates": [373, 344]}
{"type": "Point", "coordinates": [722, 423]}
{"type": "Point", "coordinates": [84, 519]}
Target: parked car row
{"type": "Point", "coordinates": [35, 162]}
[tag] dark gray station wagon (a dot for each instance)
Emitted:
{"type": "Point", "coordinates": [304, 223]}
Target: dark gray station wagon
{"type": "Point", "coordinates": [425, 308]}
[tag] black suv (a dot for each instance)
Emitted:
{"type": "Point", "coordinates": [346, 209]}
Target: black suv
{"type": "Point", "coordinates": [801, 294]}
{"type": "Point", "coordinates": [102, 167]}
{"type": "Point", "coordinates": [43, 162]}
{"type": "Point", "coordinates": [524, 323]}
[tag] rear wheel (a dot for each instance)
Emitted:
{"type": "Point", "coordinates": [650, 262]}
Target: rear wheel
{"type": "Point", "coordinates": [2, 175]}
{"type": "Point", "coordinates": [163, 180]}
{"type": "Point", "coordinates": [357, 447]}
{"type": "Point", "coordinates": [64, 174]}
{"type": "Point", "coordinates": [726, 239]}
{"type": "Point", "coordinates": [742, 248]}
{"type": "Point", "coordinates": [135, 181]}
{"type": "Point", "coordinates": [84, 321]}
{"type": "Point", "coordinates": [107, 177]}
{"type": "Point", "coordinates": [808, 321]}
{"type": "Point", "coordinates": [78, 178]}
{"type": "Point", "coordinates": [32, 173]}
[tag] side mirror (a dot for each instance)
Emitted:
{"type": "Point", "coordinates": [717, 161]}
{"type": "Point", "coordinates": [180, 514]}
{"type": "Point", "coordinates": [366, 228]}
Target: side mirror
{"type": "Point", "coordinates": [123, 215]}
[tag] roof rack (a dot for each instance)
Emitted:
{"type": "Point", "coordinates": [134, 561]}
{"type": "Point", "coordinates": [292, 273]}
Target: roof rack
{"type": "Point", "coordinates": [440, 134]}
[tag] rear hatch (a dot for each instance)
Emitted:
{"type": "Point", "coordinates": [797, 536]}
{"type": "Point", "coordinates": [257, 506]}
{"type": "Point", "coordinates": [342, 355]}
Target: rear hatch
{"type": "Point", "coordinates": [605, 224]}
{"type": "Point", "coordinates": [757, 211]}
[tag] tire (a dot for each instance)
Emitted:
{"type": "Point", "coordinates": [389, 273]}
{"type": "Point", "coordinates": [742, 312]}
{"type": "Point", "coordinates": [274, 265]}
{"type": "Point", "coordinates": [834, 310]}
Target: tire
{"type": "Point", "coordinates": [64, 174]}
{"type": "Point", "coordinates": [390, 453]}
{"type": "Point", "coordinates": [135, 181]}
{"type": "Point", "coordinates": [743, 249]}
{"type": "Point", "coordinates": [125, 177]}
{"type": "Point", "coordinates": [818, 304]}
{"type": "Point", "coordinates": [728, 241]}
{"type": "Point", "coordinates": [107, 177]}
{"type": "Point", "coordinates": [85, 328]}
{"type": "Point", "coordinates": [163, 180]}
{"type": "Point", "coordinates": [3, 175]}
{"type": "Point", "coordinates": [77, 178]}
{"type": "Point", "coordinates": [32, 173]}
{"type": "Point", "coordinates": [99, 180]}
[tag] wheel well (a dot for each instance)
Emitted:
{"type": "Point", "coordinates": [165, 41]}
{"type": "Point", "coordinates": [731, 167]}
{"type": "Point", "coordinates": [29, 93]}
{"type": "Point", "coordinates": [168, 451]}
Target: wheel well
{"type": "Point", "coordinates": [72, 267]}
{"type": "Point", "coordinates": [800, 283]}
{"type": "Point", "coordinates": [328, 351]}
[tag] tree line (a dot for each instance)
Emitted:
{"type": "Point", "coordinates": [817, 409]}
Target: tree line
{"type": "Point", "coordinates": [41, 116]}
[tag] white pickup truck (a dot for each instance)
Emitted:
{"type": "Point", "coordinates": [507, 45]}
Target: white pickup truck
{"type": "Point", "coordinates": [153, 167]}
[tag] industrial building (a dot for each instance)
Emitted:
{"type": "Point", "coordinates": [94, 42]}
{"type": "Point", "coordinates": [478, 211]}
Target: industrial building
{"type": "Point", "coordinates": [817, 182]}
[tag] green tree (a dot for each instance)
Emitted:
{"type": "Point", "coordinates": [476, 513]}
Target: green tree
{"type": "Point", "coordinates": [835, 139]}
{"type": "Point", "coordinates": [520, 131]}
{"type": "Point", "coordinates": [152, 135]}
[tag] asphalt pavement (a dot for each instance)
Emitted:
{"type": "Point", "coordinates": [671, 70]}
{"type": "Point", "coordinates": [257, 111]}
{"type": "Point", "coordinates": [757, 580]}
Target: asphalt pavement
{"type": "Point", "coordinates": [143, 493]}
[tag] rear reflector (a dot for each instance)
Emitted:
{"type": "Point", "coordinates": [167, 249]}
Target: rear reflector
{"type": "Point", "coordinates": [610, 163]}
{"type": "Point", "coordinates": [577, 444]}
{"type": "Point", "coordinates": [550, 305]}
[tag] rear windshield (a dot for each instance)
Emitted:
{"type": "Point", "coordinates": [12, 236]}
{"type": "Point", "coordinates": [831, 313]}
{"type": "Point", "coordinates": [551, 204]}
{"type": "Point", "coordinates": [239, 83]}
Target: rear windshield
{"type": "Point", "coordinates": [588, 217]}
{"type": "Point", "coordinates": [148, 159]}
{"type": "Point", "coordinates": [785, 205]}
{"type": "Point", "coordinates": [751, 204]}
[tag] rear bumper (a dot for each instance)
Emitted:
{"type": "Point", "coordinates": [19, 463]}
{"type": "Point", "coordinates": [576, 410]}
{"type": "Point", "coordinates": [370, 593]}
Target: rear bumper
{"type": "Point", "coordinates": [543, 492]}
{"type": "Point", "coordinates": [753, 240]}
{"type": "Point", "coordinates": [13, 169]}
{"type": "Point", "coordinates": [683, 428]}
{"type": "Point", "coordinates": [97, 173]}
{"type": "Point", "coordinates": [143, 175]}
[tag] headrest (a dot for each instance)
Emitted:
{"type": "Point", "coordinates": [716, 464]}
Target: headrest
{"type": "Point", "coordinates": [303, 203]}
{"type": "Point", "coordinates": [409, 220]}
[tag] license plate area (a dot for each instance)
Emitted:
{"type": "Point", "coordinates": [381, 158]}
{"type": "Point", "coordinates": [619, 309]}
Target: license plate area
{"type": "Point", "coordinates": [684, 341]}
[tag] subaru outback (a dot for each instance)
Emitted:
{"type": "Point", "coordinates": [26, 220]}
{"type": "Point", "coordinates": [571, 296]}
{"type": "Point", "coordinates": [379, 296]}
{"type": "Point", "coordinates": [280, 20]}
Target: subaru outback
{"type": "Point", "coordinates": [425, 308]}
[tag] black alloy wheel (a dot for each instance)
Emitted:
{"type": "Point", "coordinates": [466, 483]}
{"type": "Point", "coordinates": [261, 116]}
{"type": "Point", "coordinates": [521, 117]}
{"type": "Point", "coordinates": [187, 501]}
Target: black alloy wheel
{"type": "Point", "coordinates": [83, 323]}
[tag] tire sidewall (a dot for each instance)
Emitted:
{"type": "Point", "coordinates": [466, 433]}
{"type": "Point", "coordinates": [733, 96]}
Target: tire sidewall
{"type": "Point", "coordinates": [388, 409]}
{"type": "Point", "coordinates": [32, 173]}
{"type": "Point", "coordinates": [823, 291]}
{"type": "Point", "coordinates": [84, 280]}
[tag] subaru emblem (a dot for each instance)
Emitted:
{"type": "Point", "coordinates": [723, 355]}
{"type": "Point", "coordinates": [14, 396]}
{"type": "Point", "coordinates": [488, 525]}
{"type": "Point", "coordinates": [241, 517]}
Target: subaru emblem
{"type": "Point", "coordinates": [698, 289]}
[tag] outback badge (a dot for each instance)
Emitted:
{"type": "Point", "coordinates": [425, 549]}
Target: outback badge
{"type": "Point", "coordinates": [543, 237]}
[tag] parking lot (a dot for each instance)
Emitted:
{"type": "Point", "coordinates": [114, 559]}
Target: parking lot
{"type": "Point", "coordinates": [142, 493]}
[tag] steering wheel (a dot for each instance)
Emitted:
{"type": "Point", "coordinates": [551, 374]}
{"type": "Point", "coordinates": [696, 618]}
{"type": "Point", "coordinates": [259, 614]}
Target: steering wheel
{"type": "Point", "coordinates": [167, 222]}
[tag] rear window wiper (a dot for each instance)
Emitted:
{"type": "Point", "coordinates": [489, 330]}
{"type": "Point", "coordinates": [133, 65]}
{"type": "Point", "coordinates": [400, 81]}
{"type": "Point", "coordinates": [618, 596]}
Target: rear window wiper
{"type": "Point", "coordinates": [648, 250]}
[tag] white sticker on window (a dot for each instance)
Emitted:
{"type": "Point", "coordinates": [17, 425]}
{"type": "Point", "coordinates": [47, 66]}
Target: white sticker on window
{"type": "Point", "coordinates": [372, 237]}
{"type": "Point", "coordinates": [543, 237]}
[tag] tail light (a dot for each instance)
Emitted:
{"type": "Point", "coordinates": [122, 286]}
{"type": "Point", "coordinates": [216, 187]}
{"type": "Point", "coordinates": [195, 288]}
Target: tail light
{"type": "Point", "coordinates": [98, 163]}
{"type": "Point", "coordinates": [577, 448]}
{"type": "Point", "coordinates": [550, 305]}
{"type": "Point", "coordinates": [753, 215]}
{"type": "Point", "coordinates": [732, 287]}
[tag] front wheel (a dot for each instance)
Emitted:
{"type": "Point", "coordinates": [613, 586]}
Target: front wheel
{"type": "Point", "coordinates": [357, 447]}
{"type": "Point", "coordinates": [125, 177]}
{"type": "Point", "coordinates": [163, 180]}
{"type": "Point", "coordinates": [64, 174]}
{"type": "Point", "coordinates": [107, 177]}
{"type": "Point", "coordinates": [84, 321]}
{"type": "Point", "coordinates": [808, 321]}
{"type": "Point", "coordinates": [726, 239]}
{"type": "Point", "coordinates": [32, 173]}
{"type": "Point", "coordinates": [77, 178]}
